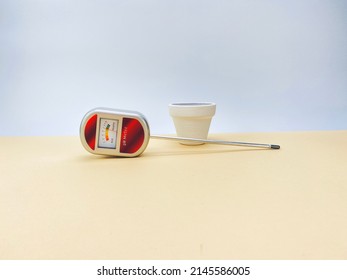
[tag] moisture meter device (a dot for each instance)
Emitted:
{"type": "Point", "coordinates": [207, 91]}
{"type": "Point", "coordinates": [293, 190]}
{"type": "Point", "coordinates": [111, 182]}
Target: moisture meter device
{"type": "Point", "coordinates": [124, 133]}
{"type": "Point", "coordinates": [113, 132]}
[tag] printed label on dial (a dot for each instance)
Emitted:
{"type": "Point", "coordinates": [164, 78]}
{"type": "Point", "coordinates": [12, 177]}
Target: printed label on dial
{"type": "Point", "coordinates": [108, 133]}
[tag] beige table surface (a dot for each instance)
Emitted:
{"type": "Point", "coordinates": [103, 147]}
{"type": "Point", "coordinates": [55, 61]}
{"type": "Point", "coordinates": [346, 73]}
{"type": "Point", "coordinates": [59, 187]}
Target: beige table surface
{"type": "Point", "coordinates": [176, 202]}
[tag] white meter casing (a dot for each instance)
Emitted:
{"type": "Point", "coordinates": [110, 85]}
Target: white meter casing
{"type": "Point", "coordinates": [114, 132]}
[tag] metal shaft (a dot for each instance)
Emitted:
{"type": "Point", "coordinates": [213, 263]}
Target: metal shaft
{"type": "Point", "coordinates": [218, 142]}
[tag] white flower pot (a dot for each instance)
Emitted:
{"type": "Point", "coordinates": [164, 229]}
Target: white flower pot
{"type": "Point", "coordinates": [192, 120]}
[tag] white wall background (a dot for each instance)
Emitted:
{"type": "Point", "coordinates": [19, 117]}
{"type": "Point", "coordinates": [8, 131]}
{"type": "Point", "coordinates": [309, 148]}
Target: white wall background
{"type": "Point", "coordinates": [269, 65]}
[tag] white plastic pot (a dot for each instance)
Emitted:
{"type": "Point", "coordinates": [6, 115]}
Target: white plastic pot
{"type": "Point", "coordinates": [192, 120]}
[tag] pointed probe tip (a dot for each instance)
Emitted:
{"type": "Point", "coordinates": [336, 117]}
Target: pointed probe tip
{"type": "Point", "coordinates": [276, 147]}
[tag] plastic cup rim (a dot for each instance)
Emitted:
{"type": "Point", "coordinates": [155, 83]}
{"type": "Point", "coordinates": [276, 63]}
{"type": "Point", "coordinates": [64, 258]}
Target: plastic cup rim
{"type": "Point", "coordinates": [192, 104]}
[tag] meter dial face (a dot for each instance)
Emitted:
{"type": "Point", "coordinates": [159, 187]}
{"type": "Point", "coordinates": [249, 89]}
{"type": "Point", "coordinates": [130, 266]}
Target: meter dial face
{"type": "Point", "coordinates": [108, 133]}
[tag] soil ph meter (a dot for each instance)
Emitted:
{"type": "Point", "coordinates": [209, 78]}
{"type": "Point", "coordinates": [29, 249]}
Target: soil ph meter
{"type": "Point", "coordinates": [126, 133]}
{"type": "Point", "coordinates": [114, 132]}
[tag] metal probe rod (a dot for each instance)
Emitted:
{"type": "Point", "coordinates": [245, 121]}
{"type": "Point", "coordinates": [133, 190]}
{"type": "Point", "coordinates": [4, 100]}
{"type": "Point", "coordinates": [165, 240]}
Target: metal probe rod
{"type": "Point", "coordinates": [218, 142]}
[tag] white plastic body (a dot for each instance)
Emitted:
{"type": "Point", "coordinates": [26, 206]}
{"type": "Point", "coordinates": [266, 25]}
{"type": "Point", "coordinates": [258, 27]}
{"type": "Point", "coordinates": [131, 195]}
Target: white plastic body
{"type": "Point", "coordinates": [192, 120]}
